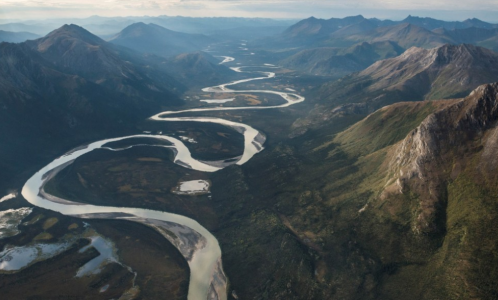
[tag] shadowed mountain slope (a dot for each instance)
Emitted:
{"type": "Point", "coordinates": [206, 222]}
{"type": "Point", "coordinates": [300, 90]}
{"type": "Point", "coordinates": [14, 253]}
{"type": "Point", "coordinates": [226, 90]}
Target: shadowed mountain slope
{"type": "Point", "coordinates": [74, 50]}
{"type": "Point", "coordinates": [154, 39]}
{"type": "Point", "coordinates": [16, 37]}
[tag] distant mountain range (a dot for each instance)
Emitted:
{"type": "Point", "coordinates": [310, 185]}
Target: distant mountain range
{"type": "Point", "coordinates": [338, 47]}
{"type": "Point", "coordinates": [412, 31]}
{"type": "Point", "coordinates": [16, 37]}
{"type": "Point", "coordinates": [405, 34]}
{"type": "Point", "coordinates": [109, 26]}
{"type": "Point", "coordinates": [154, 39]}
{"type": "Point", "coordinates": [313, 29]}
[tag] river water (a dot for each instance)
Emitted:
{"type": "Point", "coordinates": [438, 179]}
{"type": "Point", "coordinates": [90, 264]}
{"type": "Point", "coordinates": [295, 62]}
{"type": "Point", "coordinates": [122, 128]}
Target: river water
{"type": "Point", "coordinates": [199, 247]}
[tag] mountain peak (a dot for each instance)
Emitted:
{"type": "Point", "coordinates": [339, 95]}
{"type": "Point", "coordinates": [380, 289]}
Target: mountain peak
{"type": "Point", "coordinates": [155, 39]}
{"type": "Point", "coordinates": [358, 17]}
{"type": "Point", "coordinates": [462, 52]}
{"type": "Point", "coordinates": [72, 31]}
{"type": "Point", "coordinates": [488, 91]}
{"type": "Point", "coordinates": [71, 28]}
{"type": "Point", "coordinates": [142, 29]}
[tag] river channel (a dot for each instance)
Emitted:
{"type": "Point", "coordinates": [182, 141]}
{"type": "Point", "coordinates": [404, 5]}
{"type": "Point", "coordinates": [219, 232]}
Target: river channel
{"type": "Point", "coordinates": [199, 247]}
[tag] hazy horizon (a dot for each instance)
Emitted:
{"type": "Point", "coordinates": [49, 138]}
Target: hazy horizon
{"type": "Point", "coordinates": [22, 10]}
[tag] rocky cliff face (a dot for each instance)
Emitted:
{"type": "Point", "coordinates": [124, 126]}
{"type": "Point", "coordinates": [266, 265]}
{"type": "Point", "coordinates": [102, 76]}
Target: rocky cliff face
{"type": "Point", "coordinates": [423, 162]}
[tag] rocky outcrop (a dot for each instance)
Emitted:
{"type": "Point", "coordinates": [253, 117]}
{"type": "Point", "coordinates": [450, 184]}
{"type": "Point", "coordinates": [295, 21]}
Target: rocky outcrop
{"type": "Point", "coordinates": [423, 161]}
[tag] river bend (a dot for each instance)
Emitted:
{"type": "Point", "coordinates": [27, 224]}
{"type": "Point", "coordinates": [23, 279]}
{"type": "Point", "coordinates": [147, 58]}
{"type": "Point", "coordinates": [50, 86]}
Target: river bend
{"type": "Point", "coordinates": [199, 247]}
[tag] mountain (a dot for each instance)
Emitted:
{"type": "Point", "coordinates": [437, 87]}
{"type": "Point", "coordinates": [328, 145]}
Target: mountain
{"type": "Point", "coordinates": [474, 22]}
{"type": "Point", "coordinates": [430, 23]}
{"type": "Point", "coordinates": [16, 37]}
{"type": "Point", "coordinates": [401, 205]}
{"type": "Point", "coordinates": [469, 35]}
{"type": "Point", "coordinates": [74, 50]}
{"type": "Point", "coordinates": [44, 111]}
{"type": "Point", "coordinates": [313, 27]}
{"type": "Point", "coordinates": [33, 89]}
{"type": "Point", "coordinates": [210, 25]}
{"type": "Point", "coordinates": [445, 72]}
{"type": "Point", "coordinates": [412, 31]}
{"type": "Point", "coordinates": [491, 43]}
{"type": "Point", "coordinates": [424, 201]}
{"type": "Point", "coordinates": [109, 26]}
{"type": "Point", "coordinates": [313, 31]}
{"type": "Point", "coordinates": [353, 29]}
{"type": "Point", "coordinates": [341, 61]}
{"type": "Point", "coordinates": [405, 34]}
{"type": "Point", "coordinates": [198, 69]}
{"type": "Point", "coordinates": [151, 38]}
{"type": "Point", "coordinates": [71, 87]}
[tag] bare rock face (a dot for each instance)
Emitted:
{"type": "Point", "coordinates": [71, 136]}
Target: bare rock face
{"type": "Point", "coordinates": [423, 161]}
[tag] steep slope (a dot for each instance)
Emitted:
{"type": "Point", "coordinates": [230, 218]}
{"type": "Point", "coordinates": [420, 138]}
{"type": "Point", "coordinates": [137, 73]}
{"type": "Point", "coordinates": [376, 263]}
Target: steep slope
{"type": "Point", "coordinates": [425, 160]}
{"type": "Point", "coordinates": [444, 72]}
{"type": "Point", "coordinates": [450, 70]}
{"type": "Point", "coordinates": [74, 50]}
{"type": "Point", "coordinates": [16, 37]}
{"type": "Point", "coordinates": [445, 168]}
{"type": "Point", "coordinates": [339, 61]}
{"type": "Point", "coordinates": [436, 185]}
{"type": "Point", "coordinates": [152, 38]}
{"type": "Point", "coordinates": [43, 111]}
{"type": "Point", "coordinates": [71, 87]}
{"type": "Point", "coordinates": [332, 230]}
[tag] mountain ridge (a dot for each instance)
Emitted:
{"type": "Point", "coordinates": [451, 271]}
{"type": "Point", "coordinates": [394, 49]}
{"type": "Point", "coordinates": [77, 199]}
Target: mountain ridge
{"type": "Point", "coordinates": [447, 71]}
{"type": "Point", "coordinates": [74, 50]}
{"type": "Point", "coordinates": [155, 39]}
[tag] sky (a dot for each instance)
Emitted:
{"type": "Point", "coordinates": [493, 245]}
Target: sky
{"type": "Point", "coordinates": [393, 9]}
